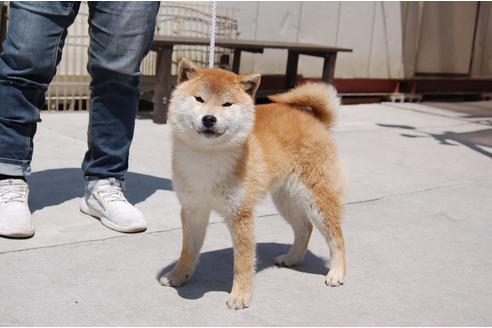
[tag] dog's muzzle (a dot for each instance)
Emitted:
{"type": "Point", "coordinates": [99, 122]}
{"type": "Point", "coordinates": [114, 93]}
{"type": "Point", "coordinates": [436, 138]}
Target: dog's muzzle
{"type": "Point", "coordinates": [209, 129]}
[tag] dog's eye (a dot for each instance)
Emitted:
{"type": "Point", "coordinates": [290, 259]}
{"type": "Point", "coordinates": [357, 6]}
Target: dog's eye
{"type": "Point", "coordinates": [227, 104]}
{"type": "Point", "coordinates": [199, 99]}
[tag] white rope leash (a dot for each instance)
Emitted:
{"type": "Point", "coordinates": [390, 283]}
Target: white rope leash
{"type": "Point", "coordinates": [211, 54]}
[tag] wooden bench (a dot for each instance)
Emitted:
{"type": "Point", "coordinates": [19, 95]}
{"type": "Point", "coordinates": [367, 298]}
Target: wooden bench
{"type": "Point", "coordinates": [163, 45]}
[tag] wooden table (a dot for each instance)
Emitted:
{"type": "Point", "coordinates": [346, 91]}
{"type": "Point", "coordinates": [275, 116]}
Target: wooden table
{"type": "Point", "coordinates": [163, 45]}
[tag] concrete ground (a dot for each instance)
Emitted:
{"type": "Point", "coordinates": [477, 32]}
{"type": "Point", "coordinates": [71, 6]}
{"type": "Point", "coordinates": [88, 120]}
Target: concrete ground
{"type": "Point", "coordinates": [418, 228]}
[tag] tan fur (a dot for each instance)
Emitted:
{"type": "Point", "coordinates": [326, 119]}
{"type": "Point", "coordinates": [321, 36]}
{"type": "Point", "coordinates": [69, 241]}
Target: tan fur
{"type": "Point", "coordinates": [288, 142]}
{"type": "Point", "coordinates": [316, 98]}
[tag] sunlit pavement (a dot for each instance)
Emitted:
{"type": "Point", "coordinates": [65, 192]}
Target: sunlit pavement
{"type": "Point", "coordinates": [418, 229]}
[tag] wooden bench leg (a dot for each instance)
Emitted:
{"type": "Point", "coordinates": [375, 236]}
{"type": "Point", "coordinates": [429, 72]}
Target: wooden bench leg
{"type": "Point", "coordinates": [291, 70]}
{"type": "Point", "coordinates": [329, 67]}
{"type": "Point", "coordinates": [162, 84]}
{"type": "Point", "coordinates": [236, 61]}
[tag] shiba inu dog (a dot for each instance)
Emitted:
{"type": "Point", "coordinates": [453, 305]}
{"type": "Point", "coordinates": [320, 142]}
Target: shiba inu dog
{"type": "Point", "coordinates": [228, 153]}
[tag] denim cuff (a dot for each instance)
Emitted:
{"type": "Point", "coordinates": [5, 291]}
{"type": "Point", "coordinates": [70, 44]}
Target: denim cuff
{"type": "Point", "coordinates": [14, 167]}
{"type": "Point", "coordinates": [91, 181]}
{"type": "Point", "coordinates": [89, 178]}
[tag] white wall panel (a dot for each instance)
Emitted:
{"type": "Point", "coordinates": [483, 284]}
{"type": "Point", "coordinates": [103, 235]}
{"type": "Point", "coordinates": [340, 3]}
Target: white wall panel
{"type": "Point", "coordinates": [386, 45]}
{"type": "Point", "coordinates": [394, 34]}
{"type": "Point", "coordinates": [318, 24]}
{"type": "Point", "coordinates": [246, 16]}
{"type": "Point", "coordinates": [354, 31]}
{"type": "Point", "coordinates": [277, 21]}
{"type": "Point", "coordinates": [410, 13]}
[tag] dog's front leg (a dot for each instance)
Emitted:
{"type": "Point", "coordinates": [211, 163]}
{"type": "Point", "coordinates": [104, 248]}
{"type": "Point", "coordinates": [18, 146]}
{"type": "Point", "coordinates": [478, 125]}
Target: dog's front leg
{"type": "Point", "coordinates": [194, 222]}
{"type": "Point", "coordinates": [243, 239]}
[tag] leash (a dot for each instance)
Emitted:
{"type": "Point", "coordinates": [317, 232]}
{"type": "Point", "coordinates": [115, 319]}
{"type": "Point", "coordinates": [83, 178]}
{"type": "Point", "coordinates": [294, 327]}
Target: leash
{"type": "Point", "coordinates": [213, 21]}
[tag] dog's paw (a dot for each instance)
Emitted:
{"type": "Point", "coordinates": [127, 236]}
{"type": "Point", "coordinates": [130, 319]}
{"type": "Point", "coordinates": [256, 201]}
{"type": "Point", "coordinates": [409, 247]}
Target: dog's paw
{"type": "Point", "coordinates": [171, 279]}
{"type": "Point", "coordinates": [284, 260]}
{"type": "Point", "coordinates": [335, 278]}
{"type": "Point", "coordinates": [238, 301]}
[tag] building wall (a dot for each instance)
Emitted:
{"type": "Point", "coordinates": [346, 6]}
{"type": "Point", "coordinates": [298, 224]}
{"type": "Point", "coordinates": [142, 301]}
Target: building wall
{"type": "Point", "coordinates": [482, 59]}
{"type": "Point", "coordinates": [371, 29]}
{"type": "Point", "coordinates": [384, 36]}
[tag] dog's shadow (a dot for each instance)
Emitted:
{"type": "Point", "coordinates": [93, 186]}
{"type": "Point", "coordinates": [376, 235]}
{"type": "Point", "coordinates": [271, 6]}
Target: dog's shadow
{"type": "Point", "coordinates": [214, 272]}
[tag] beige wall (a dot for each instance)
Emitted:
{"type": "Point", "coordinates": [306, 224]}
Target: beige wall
{"type": "Point", "coordinates": [446, 37]}
{"type": "Point", "coordinates": [371, 29]}
{"type": "Point", "coordinates": [385, 36]}
{"type": "Point", "coordinates": [482, 59]}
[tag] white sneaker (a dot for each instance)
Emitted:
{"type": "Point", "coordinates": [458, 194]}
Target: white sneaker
{"type": "Point", "coordinates": [15, 217]}
{"type": "Point", "coordinates": [104, 200]}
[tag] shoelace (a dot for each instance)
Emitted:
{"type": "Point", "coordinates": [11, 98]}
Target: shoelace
{"type": "Point", "coordinates": [13, 193]}
{"type": "Point", "coordinates": [112, 193]}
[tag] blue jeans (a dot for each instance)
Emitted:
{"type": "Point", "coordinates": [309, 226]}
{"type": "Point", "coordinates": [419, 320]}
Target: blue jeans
{"type": "Point", "coordinates": [120, 37]}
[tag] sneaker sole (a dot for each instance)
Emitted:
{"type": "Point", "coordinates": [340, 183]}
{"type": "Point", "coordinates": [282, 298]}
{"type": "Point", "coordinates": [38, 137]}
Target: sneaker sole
{"type": "Point", "coordinates": [17, 234]}
{"type": "Point", "coordinates": [84, 208]}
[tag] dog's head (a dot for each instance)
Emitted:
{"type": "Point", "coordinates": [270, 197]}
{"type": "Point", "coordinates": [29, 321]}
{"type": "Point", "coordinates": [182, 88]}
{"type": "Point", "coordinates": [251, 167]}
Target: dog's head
{"type": "Point", "coordinates": [212, 108]}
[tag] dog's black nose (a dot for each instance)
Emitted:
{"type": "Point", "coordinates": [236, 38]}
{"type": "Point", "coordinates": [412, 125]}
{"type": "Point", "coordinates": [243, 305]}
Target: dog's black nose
{"type": "Point", "coordinates": [209, 121]}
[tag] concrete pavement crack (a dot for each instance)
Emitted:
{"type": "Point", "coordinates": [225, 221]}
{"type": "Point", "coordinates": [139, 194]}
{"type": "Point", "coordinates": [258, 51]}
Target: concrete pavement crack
{"type": "Point", "coordinates": [95, 240]}
{"type": "Point", "coordinates": [221, 222]}
{"type": "Point", "coordinates": [404, 194]}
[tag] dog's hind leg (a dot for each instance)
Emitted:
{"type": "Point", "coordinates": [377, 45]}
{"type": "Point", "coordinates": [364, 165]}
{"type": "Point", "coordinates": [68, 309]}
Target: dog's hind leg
{"type": "Point", "coordinates": [194, 222]}
{"type": "Point", "coordinates": [324, 209]}
{"type": "Point", "coordinates": [285, 198]}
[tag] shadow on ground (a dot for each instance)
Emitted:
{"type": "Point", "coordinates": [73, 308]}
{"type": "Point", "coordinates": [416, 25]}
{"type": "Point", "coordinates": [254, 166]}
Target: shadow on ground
{"type": "Point", "coordinates": [469, 109]}
{"type": "Point", "coordinates": [53, 187]}
{"type": "Point", "coordinates": [215, 269]}
{"type": "Point", "coordinates": [473, 139]}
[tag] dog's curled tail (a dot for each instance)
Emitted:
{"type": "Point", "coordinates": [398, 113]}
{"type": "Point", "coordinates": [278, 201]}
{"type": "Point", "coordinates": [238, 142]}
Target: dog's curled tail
{"type": "Point", "coordinates": [319, 99]}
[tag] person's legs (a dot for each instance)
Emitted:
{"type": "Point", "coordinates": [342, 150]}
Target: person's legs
{"type": "Point", "coordinates": [121, 33]}
{"type": "Point", "coordinates": [31, 52]}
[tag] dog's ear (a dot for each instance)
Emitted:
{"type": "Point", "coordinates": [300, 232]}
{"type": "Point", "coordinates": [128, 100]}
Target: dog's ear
{"type": "Point", "coordinates": [186, 70]}
{"type": "Point", "coordinates": [250, 83]}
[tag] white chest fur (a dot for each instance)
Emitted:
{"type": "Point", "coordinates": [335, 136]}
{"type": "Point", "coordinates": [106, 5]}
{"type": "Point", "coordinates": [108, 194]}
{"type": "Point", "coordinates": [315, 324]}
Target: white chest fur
{"type": "Point", "coordinates": [204, 178]}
